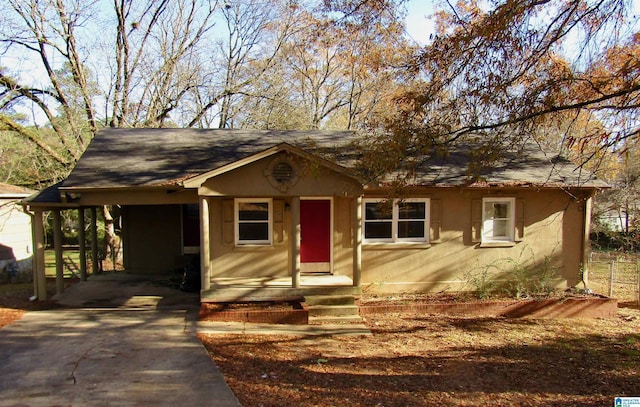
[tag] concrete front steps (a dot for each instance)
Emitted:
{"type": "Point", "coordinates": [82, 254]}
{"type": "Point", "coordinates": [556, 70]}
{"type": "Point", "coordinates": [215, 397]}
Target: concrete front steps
{"type": "Point", "coordinates": [332, 308]}
{"type": "Point", "coordinates": [315, 304]}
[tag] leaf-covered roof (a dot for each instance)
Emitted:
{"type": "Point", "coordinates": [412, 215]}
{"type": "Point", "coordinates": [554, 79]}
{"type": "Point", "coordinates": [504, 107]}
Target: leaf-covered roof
{"type": "Point", "coordinates": [521, 164]}
{"type": "Point", "coordinates": [164, 157]}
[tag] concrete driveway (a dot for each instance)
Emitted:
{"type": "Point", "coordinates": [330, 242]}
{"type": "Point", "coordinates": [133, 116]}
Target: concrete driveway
{"type": "Point", "coordinates": [108, 357]}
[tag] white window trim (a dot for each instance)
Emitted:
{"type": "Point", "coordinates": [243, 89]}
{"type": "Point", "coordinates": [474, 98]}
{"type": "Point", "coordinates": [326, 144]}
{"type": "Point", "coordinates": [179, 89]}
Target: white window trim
{"type": "Point", "coordinates": [236, 205]}
{"type": "Point", "coordinates": [510, 220]}
{"type": "Point", "coordinates": [395, 218]}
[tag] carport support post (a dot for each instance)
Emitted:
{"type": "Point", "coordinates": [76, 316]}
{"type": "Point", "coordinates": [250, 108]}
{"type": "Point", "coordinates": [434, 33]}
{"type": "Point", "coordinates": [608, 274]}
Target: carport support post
{"type": "Point", "coordinates": [57, 244]}
{"type": "Point", "coordinates": [205, 244]}
{"type": "Point", "coordinates": [82, 245]}
{"type": "Point", "coordinates": [357, 241]}
{"type": "Point", "coordinates": [295, 242]}
{"type": "Point", "coordinates": [40, 278]}
{"type": "Point", "coordinates": [94, 240]}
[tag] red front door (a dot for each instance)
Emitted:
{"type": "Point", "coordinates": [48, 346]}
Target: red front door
{"type": "Point", "coordinates": [315, 235]}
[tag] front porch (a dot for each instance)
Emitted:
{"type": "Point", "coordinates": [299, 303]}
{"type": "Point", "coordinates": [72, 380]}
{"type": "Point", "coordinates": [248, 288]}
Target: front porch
{"type": "Point", "coordinates": [231, 290]}
{"type": "Point", "coordinates": [321, 298]}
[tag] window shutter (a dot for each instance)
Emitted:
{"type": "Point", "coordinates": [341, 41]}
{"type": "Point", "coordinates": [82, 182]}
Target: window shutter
{"type": "Point", "coordinates": [476, 220]}
{"type": "Point", "coordinates": [519, 221]}
{"type": "Point", "coordinates": [278, 221]}
{"type": "Point", "coordinates": [435, 221]}
{"type": "Point", "coordinates": [227, 221]}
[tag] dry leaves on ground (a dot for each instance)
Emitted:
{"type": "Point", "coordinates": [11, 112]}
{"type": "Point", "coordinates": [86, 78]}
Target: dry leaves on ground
{"type": "Point", "coordinates": [417, 360]}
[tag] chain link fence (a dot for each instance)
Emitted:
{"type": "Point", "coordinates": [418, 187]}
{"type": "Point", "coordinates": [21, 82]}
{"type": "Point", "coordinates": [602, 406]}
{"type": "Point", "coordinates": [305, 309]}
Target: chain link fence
{"type": "Point", "coordinates": [615, 275]}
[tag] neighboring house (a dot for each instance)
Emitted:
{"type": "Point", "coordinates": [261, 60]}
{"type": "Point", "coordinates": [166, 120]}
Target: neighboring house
{"type": "Point", "coordinates": [272, 206]}
{"type": "Point", "coordinates": [16, 247]}
{"type": "Point", "coordinates": [617, 219]}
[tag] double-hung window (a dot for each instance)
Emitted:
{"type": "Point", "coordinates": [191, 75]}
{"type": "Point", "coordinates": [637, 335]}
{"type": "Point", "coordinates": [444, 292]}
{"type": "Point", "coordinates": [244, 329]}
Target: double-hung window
{"type": "Point", "coordinates": [253, 221]}
{"type": "Point", "coordinates": [498, 219]}
{"type": "Point", "coordinates": [404, 220]}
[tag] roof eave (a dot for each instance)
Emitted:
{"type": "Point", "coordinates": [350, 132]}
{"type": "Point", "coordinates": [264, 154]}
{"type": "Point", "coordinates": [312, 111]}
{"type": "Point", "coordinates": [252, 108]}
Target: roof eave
{"type": "Point", "coordinates": [160, 187]}
{"type": "Point", "coordinates": [478, 185]}
{"type": "Point", "coordinates": [13, 196]}
{"type": "Point", "coordinates": [49, 205]}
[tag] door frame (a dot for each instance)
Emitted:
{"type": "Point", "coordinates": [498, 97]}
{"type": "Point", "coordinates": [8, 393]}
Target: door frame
{"type": "Point", "coordinates": [331, 231]}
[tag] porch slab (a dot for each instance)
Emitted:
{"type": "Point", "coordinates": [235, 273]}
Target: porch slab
{"type": "Point", "coordinates": [276, 289]}
{"type": "Point", "coordinates": [305, 280]}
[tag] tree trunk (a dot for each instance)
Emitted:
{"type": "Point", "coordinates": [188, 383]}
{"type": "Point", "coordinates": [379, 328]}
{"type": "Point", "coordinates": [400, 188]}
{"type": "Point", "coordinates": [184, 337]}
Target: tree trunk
{"type": "Point", "coordinates": [111, 247]}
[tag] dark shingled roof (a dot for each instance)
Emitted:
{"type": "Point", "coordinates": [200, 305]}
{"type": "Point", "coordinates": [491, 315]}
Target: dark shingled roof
{"type": "Point", "coordinates": [164, 157]}
{"type": "Point", "coordinates": [49, 195]}
{"type": "Point", "coordinates": [521, 164]}
{"type": "Point", "coordinates": [161, 157]}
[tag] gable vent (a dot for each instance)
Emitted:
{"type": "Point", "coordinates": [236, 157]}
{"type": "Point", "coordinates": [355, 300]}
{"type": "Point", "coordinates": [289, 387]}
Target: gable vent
{"type": "Point", "coordinates": [282, 172]}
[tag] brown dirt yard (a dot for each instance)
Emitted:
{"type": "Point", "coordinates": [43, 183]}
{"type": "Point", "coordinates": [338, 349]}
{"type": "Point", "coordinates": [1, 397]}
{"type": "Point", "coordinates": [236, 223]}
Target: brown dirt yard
{"type": "Point", "coordinates": [426, 359]}
{"type": "Point", "coordinates": [14, 300]}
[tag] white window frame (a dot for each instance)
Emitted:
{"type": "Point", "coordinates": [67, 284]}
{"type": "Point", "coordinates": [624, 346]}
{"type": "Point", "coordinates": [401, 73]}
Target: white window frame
{"type": "Point", "coordinates": [269, 240]}
{"type": "Point", "coordinates": [487, 223]}
{"type": "Point", "coordinates": [395, 219]}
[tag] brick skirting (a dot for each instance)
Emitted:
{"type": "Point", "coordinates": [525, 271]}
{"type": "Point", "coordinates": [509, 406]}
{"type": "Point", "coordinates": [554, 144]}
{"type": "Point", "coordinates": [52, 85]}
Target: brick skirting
{"type": "Point", "coordinates": [298, 314]}
{"type": "Point", "coordinates": [292, 314]}
{"type": "Point", "coordinates": [546, 308]}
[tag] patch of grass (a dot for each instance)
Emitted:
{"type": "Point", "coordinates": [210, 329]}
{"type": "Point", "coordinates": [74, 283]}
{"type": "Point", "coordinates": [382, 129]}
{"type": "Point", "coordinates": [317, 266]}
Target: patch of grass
{"type": "Point", "coordinates": [70, 258]}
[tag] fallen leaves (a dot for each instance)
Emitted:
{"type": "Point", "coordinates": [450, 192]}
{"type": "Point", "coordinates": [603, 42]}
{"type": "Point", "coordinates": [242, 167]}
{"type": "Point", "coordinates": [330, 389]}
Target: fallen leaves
{"type": "Point", "coordinates": [9, 315]}
{"type": "Point", "coordinates": [415, 359]}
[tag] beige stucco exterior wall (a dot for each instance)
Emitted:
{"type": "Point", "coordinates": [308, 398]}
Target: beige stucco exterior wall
{"type": "Point", "coordinates": [572, 228]}
{"type": "Point", "coordinates": [230, 261]}
{"type": "Point", "coordinates": [552, 228]}
{"type": "Point", "coordinates": [553, 231]}
{"type": "Point", "coordinates": [343, 236]}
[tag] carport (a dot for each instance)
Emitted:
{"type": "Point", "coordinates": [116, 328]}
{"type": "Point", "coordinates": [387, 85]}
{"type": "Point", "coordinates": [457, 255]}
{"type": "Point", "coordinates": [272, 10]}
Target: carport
{"type": "Point", "coordinates": [50, 200]}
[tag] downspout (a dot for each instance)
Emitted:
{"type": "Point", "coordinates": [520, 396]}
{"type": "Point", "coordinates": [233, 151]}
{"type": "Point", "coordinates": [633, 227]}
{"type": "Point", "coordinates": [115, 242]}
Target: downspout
{"type": "Point", "coordinates": [39, 278]}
